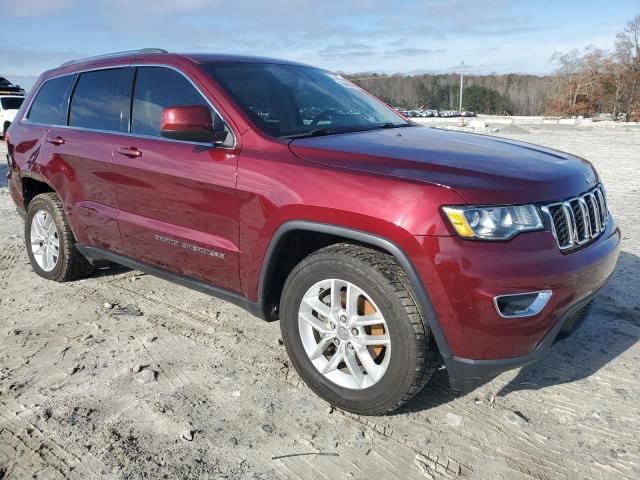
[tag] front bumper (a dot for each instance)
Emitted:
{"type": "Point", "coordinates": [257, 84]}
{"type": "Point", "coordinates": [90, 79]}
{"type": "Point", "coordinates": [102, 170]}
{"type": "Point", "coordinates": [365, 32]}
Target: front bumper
{"type": "Point", "coordinates": [462, 279]}
{"type": "Point", "coordinates": [465, 374]}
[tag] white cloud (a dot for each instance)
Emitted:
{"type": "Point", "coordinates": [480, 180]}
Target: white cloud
{"type": "Point", "coordinates": [357, 35]}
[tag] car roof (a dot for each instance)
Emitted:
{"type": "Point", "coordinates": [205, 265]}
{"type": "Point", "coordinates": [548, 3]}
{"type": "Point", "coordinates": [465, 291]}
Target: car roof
{"type": "Point", "coordinates": [227, 58]}
{"type": "Point", "coordinates": [161, 56]}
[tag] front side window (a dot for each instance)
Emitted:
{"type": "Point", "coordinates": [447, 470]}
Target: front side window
{"type": "Point", "coordinates": [96, 101]}
{"type": "Point", "coordinates": [11, 103]}
{"type": "Point", "coordinates": [50, 105]}
{"type": "Point", "coordinates": [296, 101]}
{"type": "Point", "coordinates": [157, 88]}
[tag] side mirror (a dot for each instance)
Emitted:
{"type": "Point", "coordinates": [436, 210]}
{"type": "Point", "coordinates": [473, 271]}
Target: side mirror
{"type": "Point", "coordinates": [191, 123]}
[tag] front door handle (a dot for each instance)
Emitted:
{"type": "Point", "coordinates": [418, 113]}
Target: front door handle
{"type": "Point", "coordinates": [55, 140]}
{"type": "Point", "coordinates": [131, 152]}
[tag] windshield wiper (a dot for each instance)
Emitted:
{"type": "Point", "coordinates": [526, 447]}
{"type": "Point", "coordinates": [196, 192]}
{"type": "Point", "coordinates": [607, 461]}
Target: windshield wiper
{"type": "Point", "coordinates": [394, 125]}
{"type": "Point", "coordinates": [318, 132]}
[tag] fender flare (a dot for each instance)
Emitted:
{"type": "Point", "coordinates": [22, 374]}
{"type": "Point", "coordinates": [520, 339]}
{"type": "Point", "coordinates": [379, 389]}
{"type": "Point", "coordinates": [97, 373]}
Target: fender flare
{"type": "Point", "coordinates": [428, 312]}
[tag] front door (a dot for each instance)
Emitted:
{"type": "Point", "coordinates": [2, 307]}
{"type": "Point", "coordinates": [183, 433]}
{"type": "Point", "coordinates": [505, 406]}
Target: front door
{"type": "Point", "coordinates": [177, 201]}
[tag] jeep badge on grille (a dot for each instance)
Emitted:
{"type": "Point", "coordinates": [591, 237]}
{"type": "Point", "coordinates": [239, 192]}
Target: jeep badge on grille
{"type": "Point", "coordinates": [589, 177]}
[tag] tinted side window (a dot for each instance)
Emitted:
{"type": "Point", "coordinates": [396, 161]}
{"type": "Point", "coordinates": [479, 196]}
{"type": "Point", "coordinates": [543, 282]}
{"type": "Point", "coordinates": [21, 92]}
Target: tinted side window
{"type": "Point", "coordinates": [96, 102]}
{"type": "Point", "coordinates": [157, 88]}
{"type": "Point", "coordinates": [50, 105]}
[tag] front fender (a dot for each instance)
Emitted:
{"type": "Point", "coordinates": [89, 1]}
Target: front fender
{"type": "Point", "coordinates": [396, 249]}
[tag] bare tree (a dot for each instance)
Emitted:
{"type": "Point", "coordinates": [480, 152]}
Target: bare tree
{"type": "Point", "coordinates": [593, 80]}
{"type": "Point", "coordinates": [628, 53]}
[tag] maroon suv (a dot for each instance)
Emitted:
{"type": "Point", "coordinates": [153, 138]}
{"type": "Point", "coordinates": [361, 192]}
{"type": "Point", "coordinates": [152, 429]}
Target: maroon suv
{"type": "Point", "coordinates": [385, 248]}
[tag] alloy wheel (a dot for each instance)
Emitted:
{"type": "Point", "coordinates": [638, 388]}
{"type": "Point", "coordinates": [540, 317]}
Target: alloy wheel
{"type": "Point", "coordinates": [344, 334]}
{"type": "Point", "coordinates": [45, 244]}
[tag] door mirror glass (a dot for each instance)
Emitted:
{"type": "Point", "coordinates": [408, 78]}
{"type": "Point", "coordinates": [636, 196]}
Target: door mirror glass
{"type": "Point", "coordinates": [191, 123]}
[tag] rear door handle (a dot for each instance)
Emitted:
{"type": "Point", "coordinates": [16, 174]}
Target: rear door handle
{"type": "Point", "coordinates": [55, 140]}
{"type": "Point", "coordinates": [131, 152]}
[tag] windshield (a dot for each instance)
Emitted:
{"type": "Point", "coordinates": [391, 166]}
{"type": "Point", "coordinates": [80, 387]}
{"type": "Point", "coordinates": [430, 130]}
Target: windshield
{"type": "Point", "coordinates": [5, 83]}
{"type": "Point", "coordinates": [11, 103]}
{"type": "Point", "coordinates": [290, 101]}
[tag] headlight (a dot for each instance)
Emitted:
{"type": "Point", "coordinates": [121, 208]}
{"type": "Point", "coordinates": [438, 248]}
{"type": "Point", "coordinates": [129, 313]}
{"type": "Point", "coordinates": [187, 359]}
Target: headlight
{"type": "Point", "coordinates": [493, 223]}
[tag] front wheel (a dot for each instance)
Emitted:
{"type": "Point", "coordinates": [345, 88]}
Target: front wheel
{"type": "Point", "coordinates": [353, 330]}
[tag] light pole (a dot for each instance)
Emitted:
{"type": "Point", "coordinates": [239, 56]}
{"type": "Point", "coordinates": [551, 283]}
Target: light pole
{"type": "Point", "coordinates": [461, 77]}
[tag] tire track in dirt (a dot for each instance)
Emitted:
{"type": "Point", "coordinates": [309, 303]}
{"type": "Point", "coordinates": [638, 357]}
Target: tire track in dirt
{"type": "Point", "coordinates": [225, 341]}
{"type": "Point", "coordinates": [47, 451]}
{"type": "Point", "coordinates": [520, 454]}
{"type": "Point", "coordinates": [8, 259]}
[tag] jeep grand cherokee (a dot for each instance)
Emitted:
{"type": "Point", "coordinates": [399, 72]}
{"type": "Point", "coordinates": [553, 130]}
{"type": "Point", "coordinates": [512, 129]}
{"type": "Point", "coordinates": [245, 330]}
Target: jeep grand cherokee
{"type": "Point", "coordinates": [385, 249]}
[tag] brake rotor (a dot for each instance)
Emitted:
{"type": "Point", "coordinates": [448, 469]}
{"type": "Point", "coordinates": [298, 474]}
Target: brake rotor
{"type": "Point", "coordinates": [366, 308]}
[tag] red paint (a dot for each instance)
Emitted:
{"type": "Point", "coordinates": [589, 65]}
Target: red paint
{"type": "Point", "coordinates": [186, 118]}
{"type": "Point", "coordinates": [130, 194]}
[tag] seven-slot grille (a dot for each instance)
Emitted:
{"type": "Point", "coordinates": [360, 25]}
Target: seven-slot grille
{"type": "Point", "coordinates": [578, 220]}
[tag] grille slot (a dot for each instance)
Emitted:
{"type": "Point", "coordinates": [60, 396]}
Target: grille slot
{"type": "Point", "coordinates": [582, 229]}
{"type": "Point", "coordinates": [578, 220]}
{"type": "Point", "coordinates": [594, 214]}
{"type": "Point", "coordinates": [561, 224]}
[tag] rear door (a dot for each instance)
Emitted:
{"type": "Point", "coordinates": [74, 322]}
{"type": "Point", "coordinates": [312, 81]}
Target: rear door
{"type": "Point", "coordinates": [48, 107]}
{"type": "Point", "coordinates": [177, 200]}
{"type": "Point", "coordinates": [73, 115]}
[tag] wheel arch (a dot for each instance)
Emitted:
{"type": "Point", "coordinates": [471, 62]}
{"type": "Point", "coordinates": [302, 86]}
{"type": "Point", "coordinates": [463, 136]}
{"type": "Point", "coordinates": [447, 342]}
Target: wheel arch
{"type": "Point", "coordinates": [335, 234]}
{"type": "Point", "coordinates": [31, 187]}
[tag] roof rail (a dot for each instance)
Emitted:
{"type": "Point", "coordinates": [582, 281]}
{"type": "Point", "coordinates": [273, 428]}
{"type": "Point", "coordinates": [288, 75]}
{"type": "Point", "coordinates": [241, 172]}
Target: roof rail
{"type": "Point", "coordinates": [115, 54]}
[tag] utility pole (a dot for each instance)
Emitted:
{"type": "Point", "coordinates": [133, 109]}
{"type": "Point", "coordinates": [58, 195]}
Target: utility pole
{"type": "Point", "coordinates": [461, 77]}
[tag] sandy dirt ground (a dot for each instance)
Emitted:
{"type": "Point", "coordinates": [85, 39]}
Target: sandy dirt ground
{"type": "Point", "coordinates": [124, 376]}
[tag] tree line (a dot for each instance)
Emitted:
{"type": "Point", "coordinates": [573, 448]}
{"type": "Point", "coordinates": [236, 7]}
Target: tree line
{"type": "Point", "coordinates": [586, 82]}
{"type": "Point", "coordinates": [511, 94]}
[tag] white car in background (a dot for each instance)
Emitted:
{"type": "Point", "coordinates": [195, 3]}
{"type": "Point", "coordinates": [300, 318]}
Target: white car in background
{"type": "Point", "coordinates": [9, 105]}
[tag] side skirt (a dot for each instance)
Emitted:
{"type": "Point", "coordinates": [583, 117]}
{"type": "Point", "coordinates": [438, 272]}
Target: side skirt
{"type": "Point", "coordinates": [96, 255]}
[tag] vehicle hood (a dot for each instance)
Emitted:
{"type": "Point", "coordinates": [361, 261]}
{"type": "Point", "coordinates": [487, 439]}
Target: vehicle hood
{"type": "Point", "coordinates": [482, 169]}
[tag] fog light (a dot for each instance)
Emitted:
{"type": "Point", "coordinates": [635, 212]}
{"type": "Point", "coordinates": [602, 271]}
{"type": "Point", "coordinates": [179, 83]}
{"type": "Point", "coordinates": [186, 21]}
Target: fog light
{"type": "Point", "coordinates": [521, 304]}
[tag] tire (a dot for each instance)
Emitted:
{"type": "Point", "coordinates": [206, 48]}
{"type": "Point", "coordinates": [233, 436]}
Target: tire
{"type": "Point", "coordinates": [412, 356]}
{"type": "Point", "coordinates": [69, 264]}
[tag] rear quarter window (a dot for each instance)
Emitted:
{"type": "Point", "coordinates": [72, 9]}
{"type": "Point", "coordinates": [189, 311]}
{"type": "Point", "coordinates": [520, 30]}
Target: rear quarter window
{"type": "Point", "coordinates": [96, 101]}
{"type": "Point", "coordinates": [50, 105]}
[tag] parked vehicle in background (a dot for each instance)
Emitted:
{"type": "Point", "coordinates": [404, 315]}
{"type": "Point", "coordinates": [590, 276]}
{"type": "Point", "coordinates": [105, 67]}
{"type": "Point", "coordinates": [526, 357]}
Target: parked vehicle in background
{"type": "Point", "coordinates": [8, 88]}
{"type": "Point", "coordinates": [9, 106]}
{"type": "Point", "coordinates": [386, 249]}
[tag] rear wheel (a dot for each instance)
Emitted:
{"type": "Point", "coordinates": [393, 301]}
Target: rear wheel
{"type": "Point", "coordinates": [50, 242]}
{"type": "Point", "coordinates": [353, 330]}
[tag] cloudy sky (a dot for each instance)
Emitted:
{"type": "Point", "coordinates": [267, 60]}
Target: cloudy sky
{"type": "Point", "coordinates": [386, 36]}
